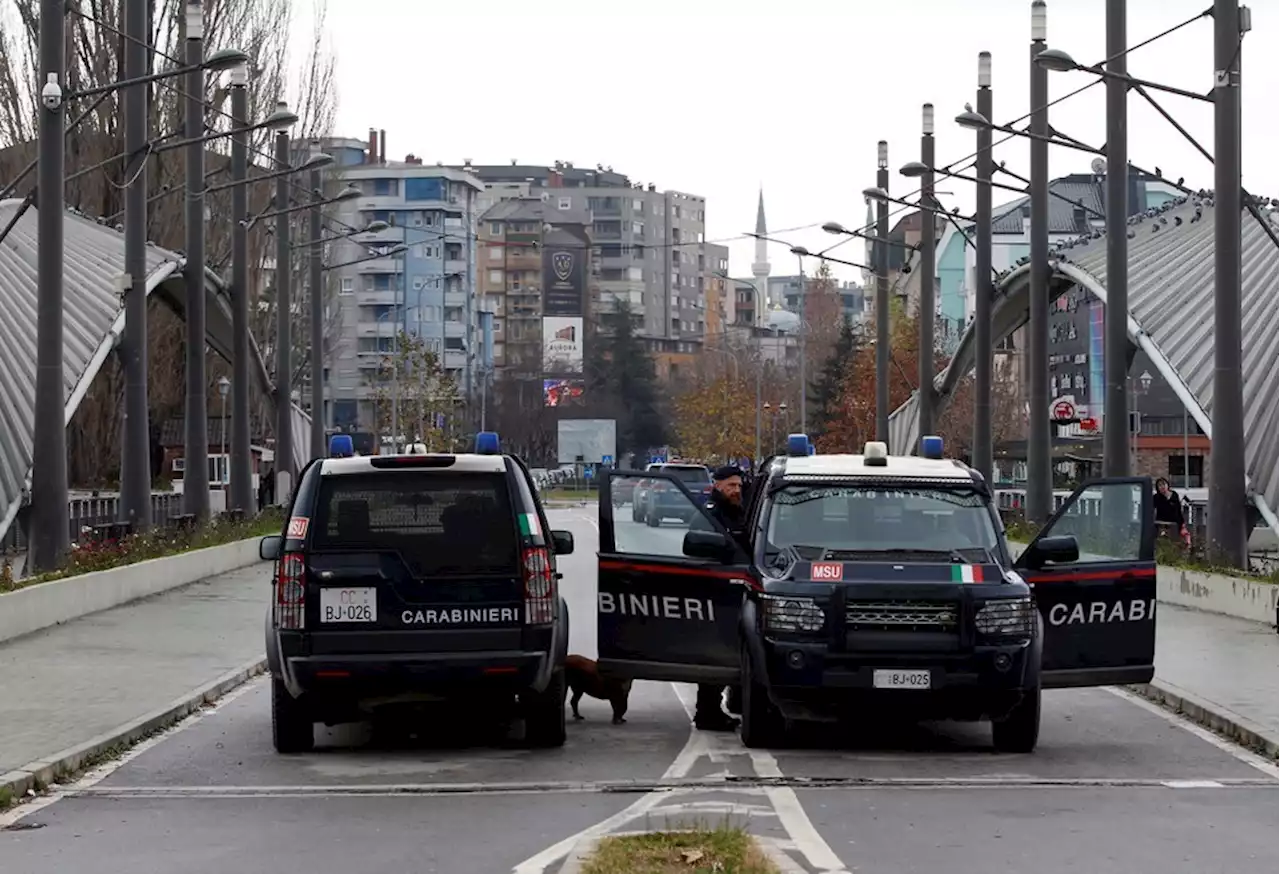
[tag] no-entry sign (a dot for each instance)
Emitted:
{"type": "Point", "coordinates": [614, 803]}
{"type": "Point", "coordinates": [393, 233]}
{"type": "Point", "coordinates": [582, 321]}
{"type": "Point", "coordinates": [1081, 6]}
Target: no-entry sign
{"type": "Point", "coordinates": [1063, 410]}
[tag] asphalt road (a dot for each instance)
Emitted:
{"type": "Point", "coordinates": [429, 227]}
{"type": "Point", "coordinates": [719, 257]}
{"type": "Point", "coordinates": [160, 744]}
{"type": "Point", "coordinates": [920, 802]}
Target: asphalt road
{"type": "Point", "coordinates": [1115, 786]}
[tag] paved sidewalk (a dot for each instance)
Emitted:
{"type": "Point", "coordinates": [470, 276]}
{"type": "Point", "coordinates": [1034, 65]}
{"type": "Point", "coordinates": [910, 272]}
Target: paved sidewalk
{"type": "Point", "coordinates": [1230, 664]}
{"type": "Point", "coordinates": [69, 684]}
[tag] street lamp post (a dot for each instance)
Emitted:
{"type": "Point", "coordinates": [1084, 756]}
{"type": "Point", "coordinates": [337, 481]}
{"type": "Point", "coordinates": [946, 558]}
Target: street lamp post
{"type": "Point", "coordinates": [242, 497]}
{"type": "Point", "coordinates": [284, 362]}
{"type": "Point", "coordinates": [195, 484]}
{"type": "Point", "coordinates": [928, 241]}
{"type": "Point", "coordinates": [1228, 524]}
{"type": "Point", "coordinates": [50, 537]}
{"type": "Point", "coordinates": [983, 453]}
{"type": "Point", "coordinates": [882, 294]}
{"type": "Point", "coordinates": [316, 300]}
{"type": "Point", "coordinates": [1039, 429]}
{"type": "Point", "coordinates": [135, 472]}
{"type": "Point", "coordinates": [804, 385]}
{"type": "Point", "coordinates": [224, 389]}
{"type": "Point", "coordinates": [1115, 451]}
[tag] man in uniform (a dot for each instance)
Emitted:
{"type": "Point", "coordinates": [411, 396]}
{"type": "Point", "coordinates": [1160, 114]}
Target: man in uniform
{"type": "Point", "coordinates": [725, 506]}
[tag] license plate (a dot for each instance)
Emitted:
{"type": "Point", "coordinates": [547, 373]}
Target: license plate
{"type": "Point", "coordinates": [349, 605]}
{"type": "Point", "coordinates": [901, 679]}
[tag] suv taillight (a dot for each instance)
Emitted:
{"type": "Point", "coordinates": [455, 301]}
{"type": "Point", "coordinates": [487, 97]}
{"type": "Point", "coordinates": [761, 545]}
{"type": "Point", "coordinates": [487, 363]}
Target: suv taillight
{"type": "Point", "coordinates": [291, 590]}
{"type": "Point", "coordinates": [539, 586]}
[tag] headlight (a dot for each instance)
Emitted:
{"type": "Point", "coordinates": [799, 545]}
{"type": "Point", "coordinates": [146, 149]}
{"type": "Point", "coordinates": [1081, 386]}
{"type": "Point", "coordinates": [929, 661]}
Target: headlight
{"type": "Point", "coordinates": [1006, 617]}
{"type": "Point", "coordinates": [793, 615]}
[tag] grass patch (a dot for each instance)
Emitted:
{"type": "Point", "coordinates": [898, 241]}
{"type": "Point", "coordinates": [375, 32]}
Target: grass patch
{"type": "Point", "coordinates": [159, 542]}
{"type": "Point", "coordinates": [703, 851]}
{"type": "Point", "coordinates": [570, 494]}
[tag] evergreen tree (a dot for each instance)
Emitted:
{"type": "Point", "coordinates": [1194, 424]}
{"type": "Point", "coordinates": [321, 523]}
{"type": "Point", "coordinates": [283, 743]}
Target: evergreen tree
{"type": "Point", "coordinates": [622, 383]}
{"type": "Point", "coordinates": [826, 390]}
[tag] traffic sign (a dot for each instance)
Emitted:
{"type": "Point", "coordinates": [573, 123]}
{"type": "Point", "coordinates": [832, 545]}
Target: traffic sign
{"type": "Point", "coordinates": [606, 459]}
{"type": "Point", "coordinates": [1089, 424]}
{"type": "Point", "coordinates": [1063, 410]}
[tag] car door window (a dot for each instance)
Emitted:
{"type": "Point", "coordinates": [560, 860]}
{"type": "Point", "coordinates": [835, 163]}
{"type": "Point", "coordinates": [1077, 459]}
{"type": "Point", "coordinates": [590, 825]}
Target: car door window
{"type": "Point", "coordinates": [659, 526]}
{"type": "Point", "coordinates": [1106, 520]}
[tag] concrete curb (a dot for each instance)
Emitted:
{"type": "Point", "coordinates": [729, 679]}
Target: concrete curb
{"type": "Point", "coordinates": [1215, 717]}
{"type": "Point", "coordinates": [41, 774]}
{"type": "Point", "coordinates": [44, 605]}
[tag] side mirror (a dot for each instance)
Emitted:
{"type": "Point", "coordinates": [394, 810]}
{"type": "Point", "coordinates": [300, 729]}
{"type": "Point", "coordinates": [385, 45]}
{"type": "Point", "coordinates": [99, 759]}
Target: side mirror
{"type": "Point", "coordinates": [1060, 550]}
{"type": "Point", "coordinates": [562, 542]}
{"type": "Point", "coordinates": [708, 544]}
{"type": "Point", "coordinates": [269, 547]}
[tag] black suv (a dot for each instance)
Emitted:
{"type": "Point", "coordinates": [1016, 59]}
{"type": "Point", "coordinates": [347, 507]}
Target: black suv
{"type": "Point", "coordinates": [416, 578]}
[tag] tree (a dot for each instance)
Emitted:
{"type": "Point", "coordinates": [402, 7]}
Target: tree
{"type": "Point", "coordinates": [712, 423]}
{"type": "Point", "coordinates": [823, 321]}
{"type": "Point", "coordinates": [412, 392]}
{"type": "Point", "coordinates": [260, 28]}
{"type": "Point", "coordinates": [825, 393]}
{"type": "Point", "coordinates": [621, 383]}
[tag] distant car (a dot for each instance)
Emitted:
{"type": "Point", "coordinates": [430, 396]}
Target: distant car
{"type": "Point", "coordinates": [663, 501]}
{"type": "Point", "coordinates": [416, 578]}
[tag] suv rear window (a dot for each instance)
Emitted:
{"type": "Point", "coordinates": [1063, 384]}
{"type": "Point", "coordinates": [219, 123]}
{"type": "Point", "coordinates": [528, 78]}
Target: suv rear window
{"type": "Point", "coordinates": [690, 475]}
{"type": "Point", "coordinates": [439, 522]}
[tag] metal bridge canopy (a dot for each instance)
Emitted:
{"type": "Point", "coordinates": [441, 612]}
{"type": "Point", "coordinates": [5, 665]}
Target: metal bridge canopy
{"type": "Point", "coordinates": [1171, 287]}
{"type": "Point", "coordinates": [94, 323]}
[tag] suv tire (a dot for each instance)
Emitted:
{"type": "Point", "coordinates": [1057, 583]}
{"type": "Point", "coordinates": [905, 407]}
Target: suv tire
{"type": "Point", "coordinates": [292, 730]}
{"type": "Point", "coordinates": [544, 719]}
{"type": "Point", "coordinates": [652, 519]}
{"type": "Point", "coordinates": [1020, 729]}
{"type": "Point", "coordinates": [762, 724]}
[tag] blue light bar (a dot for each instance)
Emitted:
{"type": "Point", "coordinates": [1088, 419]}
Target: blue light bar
{"type": "Point", "coordinates": [931, 447]}
{"type": "Point", "coordinates": [340, 446]}
{"type": "Point", "coordinates": [798, 445]}
{"type": "Point", "coordinates": [487, 443]}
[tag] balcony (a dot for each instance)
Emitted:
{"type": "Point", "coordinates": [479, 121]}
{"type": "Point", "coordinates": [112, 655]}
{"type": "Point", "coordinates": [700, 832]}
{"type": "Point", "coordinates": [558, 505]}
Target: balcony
{"type": "Point", "coordinates": [379, 297]}
{"type": "Point", "coordinates": [457, 265]}
{"type": "Point", "coordinates": [455, 299]}
{"type": "Point", "coordinates": [521, 258]}
{"type": "Point", "coordinates": [385, 328]}
{"type": "Point", "coordinates": [390, 264]}
{"type": "Point", "coordinates": [455, 360]}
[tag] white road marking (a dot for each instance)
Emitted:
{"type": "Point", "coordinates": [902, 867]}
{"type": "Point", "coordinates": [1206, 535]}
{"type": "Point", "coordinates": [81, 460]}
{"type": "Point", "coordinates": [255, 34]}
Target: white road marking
{"type": "Point", "coordinates": [96, 775]}
{"type": "Point", "coordinates": [1192, 784]}
{"type": "Point", "coordinates": [1235, 750]}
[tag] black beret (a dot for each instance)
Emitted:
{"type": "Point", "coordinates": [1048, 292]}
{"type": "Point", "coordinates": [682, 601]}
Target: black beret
{"type": "Point", "coordinates": [726, 472]}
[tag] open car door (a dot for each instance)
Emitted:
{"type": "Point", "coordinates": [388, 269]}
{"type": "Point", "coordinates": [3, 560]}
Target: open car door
{"type": "Point", "coordinates": [1098, 599]}
{"type": "Point", "coordinates": [669, 596]}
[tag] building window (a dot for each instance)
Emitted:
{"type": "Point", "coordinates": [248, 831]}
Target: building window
{"type": "Point", "coordinates": [386, 187]}
{"type": "Point", "coordinates": [495, 229]}
{"type": "Point", "coordinates": [495, 277]}
{"type": "Point", "coordinates": [348, 285]}
{"type": "Point", "coordinates": [566, 203]}
{"type": "Point", "coordinates": [495, 253]}
{"type": "Point", "coordinates": [1194, 465]}
{"type": "Point", "coordinates": [497, 326]}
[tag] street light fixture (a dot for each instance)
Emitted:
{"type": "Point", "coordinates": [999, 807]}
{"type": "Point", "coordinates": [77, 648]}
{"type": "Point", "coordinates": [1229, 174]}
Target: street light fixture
{"type": "Point", "coordinates": [224, 59]}
{"type": "Point", "coordinates": [348, 193]}
{"type": "Point", "coordinates": [1058, 61]}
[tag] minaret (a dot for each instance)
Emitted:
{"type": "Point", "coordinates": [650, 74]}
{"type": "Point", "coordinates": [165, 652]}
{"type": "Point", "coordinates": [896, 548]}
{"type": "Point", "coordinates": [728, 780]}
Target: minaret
{"type": "Point", "coordinates": [760, 268]}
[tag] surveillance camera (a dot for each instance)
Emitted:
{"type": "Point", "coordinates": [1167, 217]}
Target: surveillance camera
{"type": "Point", "coordinates": [51, 93]}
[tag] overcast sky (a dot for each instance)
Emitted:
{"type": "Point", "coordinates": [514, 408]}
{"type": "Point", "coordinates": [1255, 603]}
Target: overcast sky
{"type": "Point", "coordinates": [717, 97]}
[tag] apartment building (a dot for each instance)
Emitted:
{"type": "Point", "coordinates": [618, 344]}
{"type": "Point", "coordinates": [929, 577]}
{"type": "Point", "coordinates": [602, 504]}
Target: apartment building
{"type": "Point", "coordinates": [425, 283]}
{"type": "Point", "coordinates": [650, 244]}
{"type": "Point", "coordinates": [515, 237]}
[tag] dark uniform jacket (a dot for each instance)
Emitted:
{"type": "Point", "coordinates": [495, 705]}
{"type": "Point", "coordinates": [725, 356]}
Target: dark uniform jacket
{"type": "Point", "coordinates": [1168, 509]}
{"type": "Point", "coordinates": [732, 516]}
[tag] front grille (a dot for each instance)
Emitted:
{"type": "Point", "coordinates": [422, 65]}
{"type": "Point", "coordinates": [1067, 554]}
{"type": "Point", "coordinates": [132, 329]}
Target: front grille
{"type": "Point", "coordinates": [900, 616]}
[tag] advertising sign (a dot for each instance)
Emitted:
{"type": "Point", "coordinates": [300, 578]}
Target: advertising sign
{"type": "Point", "coordinates": [588, 441]}
{"type": "Point", "coordinates": [562, 392]}
{"type": "Point", "coordinates": [561, 345]}
{"type": "Point", "coordinates": [563, 281]}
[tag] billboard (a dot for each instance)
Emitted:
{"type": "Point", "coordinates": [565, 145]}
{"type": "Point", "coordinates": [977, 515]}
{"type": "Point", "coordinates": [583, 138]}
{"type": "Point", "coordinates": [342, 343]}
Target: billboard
{"type": "Point", "coordinates": [562, 392]}
{"type": "Point", "coordinates": [563, 280]}
{"type": "Point", "coordinates": [591, 441]}
{"type": "Point", "coordinates": [561, 345]}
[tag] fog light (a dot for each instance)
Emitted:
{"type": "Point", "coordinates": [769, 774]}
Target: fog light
{"type": "Point", "coordinates": [795, 659]}
{"type": "Point", "coordinates": [1003, 662]}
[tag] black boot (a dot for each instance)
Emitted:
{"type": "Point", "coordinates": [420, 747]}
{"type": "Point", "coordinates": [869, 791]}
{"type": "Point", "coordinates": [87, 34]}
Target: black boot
{"type": "Point", "coordinates": [708, 716]}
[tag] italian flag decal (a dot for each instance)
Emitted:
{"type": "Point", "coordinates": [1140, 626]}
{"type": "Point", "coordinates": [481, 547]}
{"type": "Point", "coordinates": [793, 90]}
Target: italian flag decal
{"type": "Point", "coordinates": [529, 526]}
{"type": "Point", "coordinates": [966, 573]}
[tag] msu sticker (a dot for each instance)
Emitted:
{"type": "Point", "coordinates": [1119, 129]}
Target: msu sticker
{"type": "Point", "coordinates": [826, 571]}
{"type": "Point", "coordinates": [297, 529]}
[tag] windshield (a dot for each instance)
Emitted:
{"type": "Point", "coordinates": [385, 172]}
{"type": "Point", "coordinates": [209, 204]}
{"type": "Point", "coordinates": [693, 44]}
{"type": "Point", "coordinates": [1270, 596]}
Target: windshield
{"type": "Point", "coordinates": [820, 519]}
{"type": "Point", "coordinates": [699, 476]}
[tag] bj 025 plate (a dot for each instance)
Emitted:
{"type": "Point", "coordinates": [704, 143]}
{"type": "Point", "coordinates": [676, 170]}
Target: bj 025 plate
{"type": "Point", "coordinates": [901, 679]}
